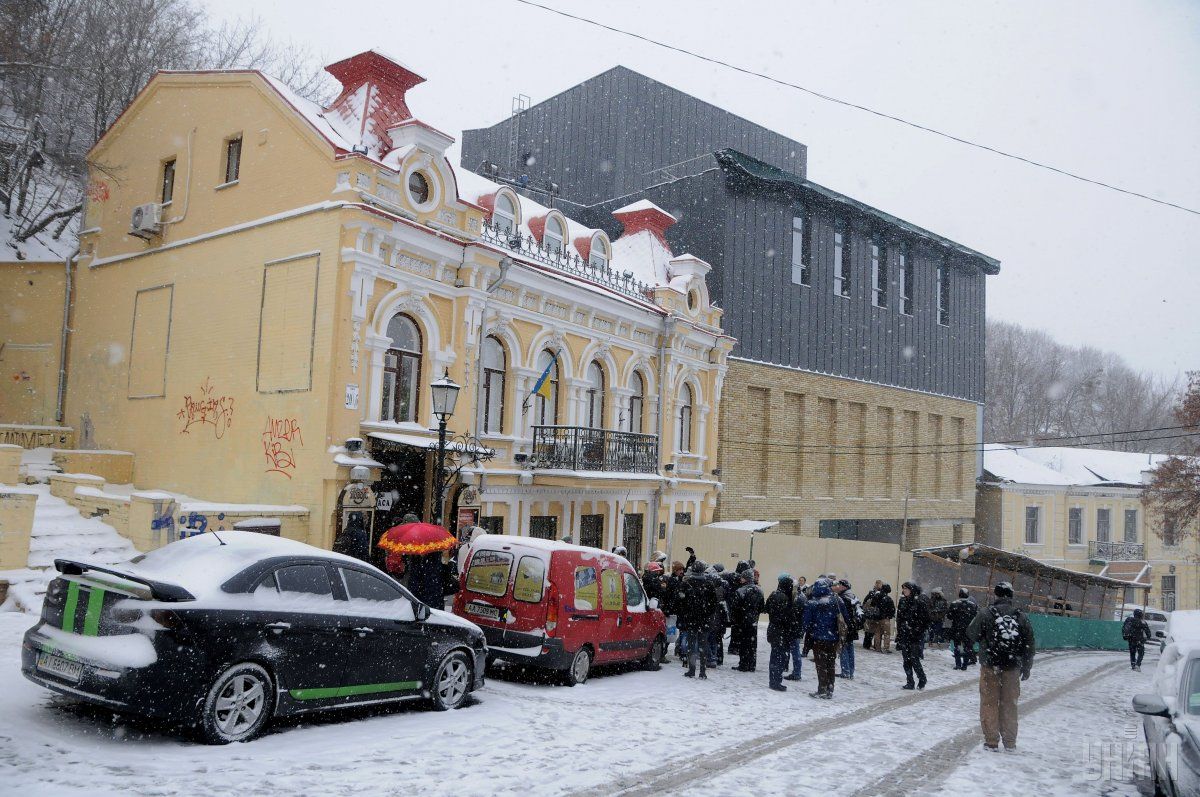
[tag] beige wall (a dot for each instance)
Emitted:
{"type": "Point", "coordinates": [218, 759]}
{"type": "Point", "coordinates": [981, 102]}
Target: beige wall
{"type": "Point", "coordinates": [16, 523]}
{"type": "Point", "coordinates": [800, 447]}
{"type": "Point", "coordinates": [30, 340]}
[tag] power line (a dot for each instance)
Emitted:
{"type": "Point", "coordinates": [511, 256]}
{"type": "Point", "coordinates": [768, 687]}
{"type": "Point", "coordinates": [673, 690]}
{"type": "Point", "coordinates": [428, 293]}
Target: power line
{"type": "Point", "coordinates": [1024, 442]}
{"type": "Point", "coordinates": [847, 103]}
{"type": "Point", "coordinates": [829, 450]}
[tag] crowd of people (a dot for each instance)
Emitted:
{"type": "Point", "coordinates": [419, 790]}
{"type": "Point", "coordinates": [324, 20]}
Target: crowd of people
{"type": "Point", "coordinates": [826, 619]}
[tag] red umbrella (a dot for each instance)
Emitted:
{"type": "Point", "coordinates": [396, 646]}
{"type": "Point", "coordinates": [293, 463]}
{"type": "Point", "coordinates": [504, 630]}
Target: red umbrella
{"type": "Point", "coordinates": [417, 539]}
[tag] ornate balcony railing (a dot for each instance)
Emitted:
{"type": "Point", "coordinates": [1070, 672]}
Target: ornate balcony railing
{"type": "Point", "coordinates": [1101, 551]}
{"type": "Point", "coordinates": [527, 247]}
{"type": "Point", "coordinates": [581, 448]}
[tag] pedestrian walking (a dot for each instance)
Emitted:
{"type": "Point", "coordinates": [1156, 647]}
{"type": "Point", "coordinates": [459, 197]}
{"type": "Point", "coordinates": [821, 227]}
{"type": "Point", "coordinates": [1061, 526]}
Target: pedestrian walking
{"type": "Point", "coordinates": [960, 615]}
{"type": "Point", "coordinates": [1136, 631]}
{"type": "Point", "coordinates": [822, 628]}
{"type": "Point", "coordinates": [795, 649]}
{"type": "Point", "coordinates": [870, 614]}
{"type": "Point", "coordinates": [852, 613]}
{"type": "Point", "coordinates": [883, 626]}
{"type": "Point", "coordinates": [749, 606]}
{"type": "Point", "coordinates": [1006, 645]}
{"type": "Point", "coordinates": [698, 604]}
{"type": "Point", "coordinates": [912, 620]}
{"type": "Point", "coordinates": [781, 629]}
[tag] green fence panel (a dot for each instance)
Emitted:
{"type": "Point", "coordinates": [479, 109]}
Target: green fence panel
{"type": "Point", "coordinates": [1052, 632]}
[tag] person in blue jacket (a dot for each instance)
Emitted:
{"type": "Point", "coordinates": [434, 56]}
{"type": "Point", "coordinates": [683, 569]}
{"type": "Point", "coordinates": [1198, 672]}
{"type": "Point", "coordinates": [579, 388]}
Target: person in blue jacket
{"type": "Point", "coordinates": [821, 616]}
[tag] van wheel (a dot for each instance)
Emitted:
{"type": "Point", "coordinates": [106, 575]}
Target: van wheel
{"type": "Point", "coordinates": [580, 667]}
{"type": "Point", "coordinates": [238, 705]}
{"type": "Point", "coordinates": [658, 651]}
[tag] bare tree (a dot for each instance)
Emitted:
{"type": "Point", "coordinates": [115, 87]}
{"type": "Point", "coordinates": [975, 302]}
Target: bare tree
{"type": "Point", "coordinates": [1173, 493]}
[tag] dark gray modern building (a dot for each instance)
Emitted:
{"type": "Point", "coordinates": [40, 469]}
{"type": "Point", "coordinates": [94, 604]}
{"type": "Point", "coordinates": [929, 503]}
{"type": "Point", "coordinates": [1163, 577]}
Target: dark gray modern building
{"type": "Point", "coordinates": [810, 279]}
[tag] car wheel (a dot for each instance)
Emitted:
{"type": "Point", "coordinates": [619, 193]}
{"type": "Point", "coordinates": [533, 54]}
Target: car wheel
{"type": "Point", "coordinates": [658, 651]}
{"type": "Point", "coordinates": [581, 666]}
{"type": "Point", "coordinates": [238, 705]}
{"type": "Point", "coordinates": [451, 682]}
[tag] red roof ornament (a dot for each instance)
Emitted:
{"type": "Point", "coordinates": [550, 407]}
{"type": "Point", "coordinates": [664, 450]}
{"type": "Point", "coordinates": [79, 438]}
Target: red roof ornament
{"type": "Point", "coordinates": [644, 215]}
{"type": "Point", "coordinates": [373, 93]}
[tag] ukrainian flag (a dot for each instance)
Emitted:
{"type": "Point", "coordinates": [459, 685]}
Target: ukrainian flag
{"type": "Point", "coordinates": [543, 386]}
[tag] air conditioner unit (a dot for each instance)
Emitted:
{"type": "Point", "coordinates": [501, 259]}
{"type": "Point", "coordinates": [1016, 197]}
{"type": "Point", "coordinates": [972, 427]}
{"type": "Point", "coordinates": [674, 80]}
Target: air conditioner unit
{"type": "Point", "coordinates": [146, 221]}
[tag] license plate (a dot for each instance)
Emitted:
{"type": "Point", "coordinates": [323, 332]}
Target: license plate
{"type": "Point", "coordinates": [483, 610]}
{"type": "Point", "coordinates": [56, 665]}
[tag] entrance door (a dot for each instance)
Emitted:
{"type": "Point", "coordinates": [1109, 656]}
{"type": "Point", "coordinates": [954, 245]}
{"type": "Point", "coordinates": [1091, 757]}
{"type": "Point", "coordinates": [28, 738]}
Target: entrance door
{"type": "Point", "coordinates": [633, 540]}
{"type": "Point", "coordinates": [591, 531]}
{"type": "Point", "coordinates": [544, 527]}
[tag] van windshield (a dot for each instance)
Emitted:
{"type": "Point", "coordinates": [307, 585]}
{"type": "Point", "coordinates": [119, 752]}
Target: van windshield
{"type": "Point", "coordinates": [488, 573]}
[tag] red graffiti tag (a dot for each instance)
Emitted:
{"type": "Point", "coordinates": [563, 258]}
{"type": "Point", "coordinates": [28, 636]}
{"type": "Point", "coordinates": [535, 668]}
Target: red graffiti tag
{"type": "Point", "coordinates": [279, 439]}
{"type": "Point", "coordinates": [207, 408]}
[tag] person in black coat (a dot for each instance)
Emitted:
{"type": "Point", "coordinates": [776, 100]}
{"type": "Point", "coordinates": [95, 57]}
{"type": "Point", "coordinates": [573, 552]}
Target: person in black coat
{"type": "Point", "coordinates": [748, 606]}
{"type": "Point", "coordinates": [354, 540]}
{"type": "Point", "coordinates": [1136, 632]}
{"type": "Point", "coordinates": [883, 625]}
{"type": "Point", "coordinates": [960, 614]}
{"type": "Point", "coordinates": [697, 603]}
{"type": "Point", "coordinates": [781, 629]}
{"type": "Point", "coordinates": [870, 613]}
{"type": "Point", "coordinates": [912, 620]}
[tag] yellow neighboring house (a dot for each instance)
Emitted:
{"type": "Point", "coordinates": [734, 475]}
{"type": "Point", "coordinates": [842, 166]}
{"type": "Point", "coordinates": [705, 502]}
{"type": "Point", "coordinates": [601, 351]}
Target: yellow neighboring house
{"type": "Point", "coordinates": [263, 281]}
{"type": "Point", "coordinates": [1082, 509]}
{"type": "Point", "coordinates": [31, 324]}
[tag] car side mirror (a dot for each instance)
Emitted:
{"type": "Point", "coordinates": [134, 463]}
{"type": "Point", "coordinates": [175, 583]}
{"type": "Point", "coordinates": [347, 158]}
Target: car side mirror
{"type": "Point", "coordinates": [422, 612]}
{"type": "Point", "coordinates": [1151, 705]}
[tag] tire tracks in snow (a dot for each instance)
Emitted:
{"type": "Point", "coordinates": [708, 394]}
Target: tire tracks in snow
{"type": "Point", "coordinates": [705, 766]}
{"type": "Point", "coordinates": [927, 769]}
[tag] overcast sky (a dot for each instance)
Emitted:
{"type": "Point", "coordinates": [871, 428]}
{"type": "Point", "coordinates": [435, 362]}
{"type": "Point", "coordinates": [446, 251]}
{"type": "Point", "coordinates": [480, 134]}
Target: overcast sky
{"type": "Point", "coordinates": [1110, 90]}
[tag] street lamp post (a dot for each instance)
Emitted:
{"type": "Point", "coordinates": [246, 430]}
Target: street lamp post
{"type": "Point", "coordinates": [445, 395]}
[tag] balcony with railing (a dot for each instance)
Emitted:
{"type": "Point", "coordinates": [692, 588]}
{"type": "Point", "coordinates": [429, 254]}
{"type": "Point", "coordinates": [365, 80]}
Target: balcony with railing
{"type": "Point", "coordinates": [527, 247]}
{"type": "Point", "coordinates": [583, 448]}
{"type": "Point", "coordinates": [1106, 551]}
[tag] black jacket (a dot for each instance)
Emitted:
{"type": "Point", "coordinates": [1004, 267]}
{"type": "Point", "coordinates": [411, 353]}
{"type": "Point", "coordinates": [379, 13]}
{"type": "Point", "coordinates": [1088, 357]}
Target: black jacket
{"type": "Point", "coordinates": [961, 613]}
{"type": "Point", "coordinates": [981, 627]}
{"type": "Point", "coordinates": [938, 607]}
{"type": "Point", "coordinates": [747, 605]}
{"type": "Point", "coordinates": [655, 585]}
{"type": "Point", "coordinates": [1135, 630]}
{"type": "Point", "coordinates": [912, 618]}
{"type": "Point", "coordinates": [886, 606]}
{"type": "Point", "coordinates": [696, 602]}
{"type": "Point", "coordinates": [672, 589]}
{"type": "Point", "coordinates": [782, 627]}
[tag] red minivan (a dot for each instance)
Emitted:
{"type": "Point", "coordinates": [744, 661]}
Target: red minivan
{"type": "Point", "coordinates": [558, 606]}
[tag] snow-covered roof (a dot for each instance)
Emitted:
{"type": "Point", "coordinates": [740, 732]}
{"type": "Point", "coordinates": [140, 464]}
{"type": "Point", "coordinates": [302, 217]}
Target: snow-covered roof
{"type": "Point", "coordinates": [493, 542]}
{"type": "Point", "coordinates": [640, 205]}
{"type": "Point", "coordinates": [1062, 465]}
{"type": "Point", "coordinates": [743, 525]}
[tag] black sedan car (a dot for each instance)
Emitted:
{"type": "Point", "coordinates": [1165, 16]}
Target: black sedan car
{"type": "Point", "coordinates": [224, 632]}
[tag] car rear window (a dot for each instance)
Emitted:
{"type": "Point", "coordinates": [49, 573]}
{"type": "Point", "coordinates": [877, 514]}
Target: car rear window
{"type": "Point", "coordinates": [613, 599]}
{"type": "Point", "coordinates": [309, 579]}
{"type": "Point", "coordinates": [531, 577]}
{"type": "Point", "coordinates": [587, 591]}
{"type": "Point", "coordinates": [488, 573]}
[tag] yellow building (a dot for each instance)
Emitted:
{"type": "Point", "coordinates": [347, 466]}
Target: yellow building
{"type": "Point", "coordinates": [31, 323]}
{"type": "Point", "coordinates": [270, 280]}
{"type": "Point", "coordinates": [1082, 509]}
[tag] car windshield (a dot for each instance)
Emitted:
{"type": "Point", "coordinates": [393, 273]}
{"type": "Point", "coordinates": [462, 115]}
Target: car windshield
{"type": "Point", "coordinates": [1191, 688]}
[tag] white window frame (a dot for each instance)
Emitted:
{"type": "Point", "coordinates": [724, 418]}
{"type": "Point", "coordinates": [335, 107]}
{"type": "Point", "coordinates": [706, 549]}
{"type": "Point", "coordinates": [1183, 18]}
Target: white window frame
{"type": "Point", "coordinates": [1078, 540]}
{"type": "Point", "coordinates": [556, 242]}
{"type": "Point", "coordinates": [510, 220]}
{"type": "Point", "coordinates": [1037, 524]}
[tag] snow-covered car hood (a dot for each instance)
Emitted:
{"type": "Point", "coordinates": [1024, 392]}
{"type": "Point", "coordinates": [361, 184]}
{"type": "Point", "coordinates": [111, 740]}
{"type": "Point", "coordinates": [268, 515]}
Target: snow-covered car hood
{"type": "Point", "coordinates": [446, 618]}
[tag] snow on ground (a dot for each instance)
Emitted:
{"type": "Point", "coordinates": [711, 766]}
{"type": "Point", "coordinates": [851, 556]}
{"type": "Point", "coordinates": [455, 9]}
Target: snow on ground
{"type": "Point", "coordinates": [59, 531]}
{"type": "Point", "coordinates": [622, 732]}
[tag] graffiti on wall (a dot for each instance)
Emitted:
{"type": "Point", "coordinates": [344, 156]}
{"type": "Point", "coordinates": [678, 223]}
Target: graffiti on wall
{"type": "Point", "coordinates": [206, 409]}
{"type": "Point", "coordinates": [279, 439]}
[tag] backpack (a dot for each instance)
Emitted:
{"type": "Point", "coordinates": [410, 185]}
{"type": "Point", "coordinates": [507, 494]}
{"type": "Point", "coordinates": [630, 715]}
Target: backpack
{"type": "Point", "coordinates": [1004, 642]}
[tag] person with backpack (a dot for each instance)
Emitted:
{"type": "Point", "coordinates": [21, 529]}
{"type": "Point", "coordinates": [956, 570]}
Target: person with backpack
{"type": "Point", "coordinates": [960, 614]}
{"type": "Point", "coordinates": [781, 630]}
{"type": "Point", "coordinates": [852, 613]}
{"type": "Point", "coordinates": [912, 620]}
{"type": "Point", "coordinates": [1136, 632]}
{"type": "Point", "coordinates": [883, 626]}
{"type": "Point", "coordinates": [823, 623]}
{"type": "Point", "coordinates": [1006, 645]}
{"type": "Point", "coordinates": [749, 607]}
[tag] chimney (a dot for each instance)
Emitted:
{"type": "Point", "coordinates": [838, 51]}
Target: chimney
{"type": "Point", "coordinates": [373, 90]}
{"type": "Point", "coordinates": [646, 216]}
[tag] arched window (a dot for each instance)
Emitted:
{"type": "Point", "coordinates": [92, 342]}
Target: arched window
{"type": "Point", "coordinates": [685, 418]}
{"type": "Point", "coordinates": [598, 256]}
{"type": "Point", "coordinates": [493, 386]}
{"type": "Point", "coordinates": [637, 403]}
{"type": "Point", "coordinates": [545, 410]}
{"type": "Point", "coordinates": [505, 215]}
{"type": "Point", "coordinates": [595, 396]}
{"type": "Point", "coordinates": [554, 235]}
{"type": "Point", "coordinates": [401, 370]}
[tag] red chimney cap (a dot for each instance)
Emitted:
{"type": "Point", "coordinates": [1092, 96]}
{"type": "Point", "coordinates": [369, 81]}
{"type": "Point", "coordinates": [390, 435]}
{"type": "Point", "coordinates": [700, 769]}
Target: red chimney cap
{"type": "Point", "coordinates": [645, 215]}
{"type": "Point", "coordinates": [388, 81]}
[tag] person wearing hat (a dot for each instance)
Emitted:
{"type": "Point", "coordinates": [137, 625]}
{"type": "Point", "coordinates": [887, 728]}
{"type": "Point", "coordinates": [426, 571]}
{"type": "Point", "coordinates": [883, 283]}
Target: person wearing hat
{"type": "Point", "coordinates": [960, 614]}
{"type": "Point", "coordinates": [912, 619]}
{"type": "Point", "coordinates": [882, 633]}
{"type": "Point", "coordinates": [781, 629]}
{"type": "Point", "coordinates": [853, 614]}
{"type": "Point", "coordinates": [821, 627]}
{"type": "Point", "coordinates": [748, 605]}
{"type": "Point", "coordinates": [1006, 645]}
{"type": "Point", "coordinates": [697, 604]}
{"type": "Point", "coordinates": [1136, 632]}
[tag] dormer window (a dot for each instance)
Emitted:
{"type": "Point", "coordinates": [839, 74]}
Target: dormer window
{"type": "Point", "coordinates": [418, 188]}
{"type": "Point", "coordinates": [599, 255]}
{"type": "Point", "coordinates": [555, 235]}
{"type": "Point", "coordinates": [504, 217]}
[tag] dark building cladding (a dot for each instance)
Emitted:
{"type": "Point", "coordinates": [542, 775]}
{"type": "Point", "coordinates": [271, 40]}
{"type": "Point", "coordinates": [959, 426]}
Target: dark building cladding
{"type": "Point", "coordinates": [771, 236]}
